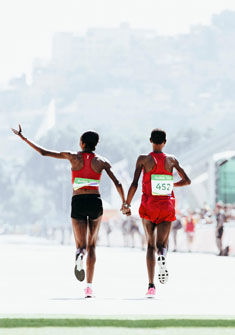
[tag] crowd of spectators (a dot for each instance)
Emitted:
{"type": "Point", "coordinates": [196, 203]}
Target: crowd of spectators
{"type": "Point", "coordinates": [128, 231]}
{"type": "Point", "coordinates": [188, 219]}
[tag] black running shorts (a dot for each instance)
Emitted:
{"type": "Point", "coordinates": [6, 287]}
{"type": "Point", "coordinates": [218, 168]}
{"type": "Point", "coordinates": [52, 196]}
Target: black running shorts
{"type": "Point", "coordinates": [86, 205]}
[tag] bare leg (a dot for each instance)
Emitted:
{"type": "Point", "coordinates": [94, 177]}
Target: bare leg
{"type": "Point", "coordinates": [150, 232]}
{"type": "Point", "coordinates": [93, 230]}
{"type": "Point", "coordinates": [219, 236]}
{"type": "Point", "coordinates": [80, 233]}
{"type": "Point", "coordinates": [163, 231]}
{"type": "Point", "coordinates": [219, 244]}
{"type": "Point", "coordinates": [175, 238]}
{"type": "Point", "coordinates": [190, 241]}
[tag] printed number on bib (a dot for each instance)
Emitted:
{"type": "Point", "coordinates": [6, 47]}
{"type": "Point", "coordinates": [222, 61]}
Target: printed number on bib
{"type": "Point", "coordinates": [84, 182]}
{"type": "Point", "coordinates": [161, 184]}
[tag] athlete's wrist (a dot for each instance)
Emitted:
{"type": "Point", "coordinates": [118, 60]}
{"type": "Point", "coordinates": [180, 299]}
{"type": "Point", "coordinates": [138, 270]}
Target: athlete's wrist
{"type": "Point", "coordinates": [126, 205]}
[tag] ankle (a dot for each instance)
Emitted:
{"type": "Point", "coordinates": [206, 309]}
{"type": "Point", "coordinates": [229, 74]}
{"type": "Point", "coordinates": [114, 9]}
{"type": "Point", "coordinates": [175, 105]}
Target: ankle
{"type": "Point", "coordinates": [151, 285]}
{"type": "Point", "coordinates": [162, 252]}
{"type": "Point", "coordinates": [80, 251]}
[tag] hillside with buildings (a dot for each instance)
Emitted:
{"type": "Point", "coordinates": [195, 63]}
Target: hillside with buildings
{"type": "Point", "coordinates": [122, 82]}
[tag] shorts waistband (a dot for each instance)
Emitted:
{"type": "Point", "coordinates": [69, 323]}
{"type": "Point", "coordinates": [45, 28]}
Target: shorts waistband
{"type": "Point", "coordinates": [86, 196]}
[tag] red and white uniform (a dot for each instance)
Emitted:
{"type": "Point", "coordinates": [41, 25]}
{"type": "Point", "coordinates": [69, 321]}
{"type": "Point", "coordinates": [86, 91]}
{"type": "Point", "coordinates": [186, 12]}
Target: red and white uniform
{"type": "Point", "coordinates": [157, 208]}
{"type": "Point", "coordinates": [86, 178]}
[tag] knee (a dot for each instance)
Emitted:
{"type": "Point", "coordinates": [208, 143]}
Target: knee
{"type": "Point", "coordinates": [151, 247]}
{"type": "Point", "coordinates": [91, 250]}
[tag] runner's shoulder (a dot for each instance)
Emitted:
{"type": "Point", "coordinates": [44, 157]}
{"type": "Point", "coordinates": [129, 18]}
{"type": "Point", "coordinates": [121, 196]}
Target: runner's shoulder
{"type": "Point", "coordinates": [70, 155]}
{"type": "Point", "coordinates": [142, 159]}
{"type": "Point", "coordinates": [171, 158]}
{"type": "Point", "coordinates": [102, 160]}
{"type": "Point", "coordinates": [73, 155]}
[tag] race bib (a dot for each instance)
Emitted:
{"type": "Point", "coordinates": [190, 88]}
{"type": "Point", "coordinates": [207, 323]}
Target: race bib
{"type": "Point", "coordinates": [161, 184]}
{"type": "Point", "coordinates": [82, 182]}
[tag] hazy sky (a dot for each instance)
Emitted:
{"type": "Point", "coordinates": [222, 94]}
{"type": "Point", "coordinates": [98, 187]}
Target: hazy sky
{"type": "Point", "coordinates": [27, 26]}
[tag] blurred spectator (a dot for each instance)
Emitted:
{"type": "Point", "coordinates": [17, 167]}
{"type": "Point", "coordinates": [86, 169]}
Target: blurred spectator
{"type": "Point", "coordinates": [176, 225]}
{"type": "Point", "coordinates": [131, 229]}
{"type": "Point", "coordinates": [125, 230]}
{"type": "Point", "coordinates": [108, 230]}
{"type": "Point", "coordinates": [220, 220]}
{"type": "Point", "coordinates": [189, 230]}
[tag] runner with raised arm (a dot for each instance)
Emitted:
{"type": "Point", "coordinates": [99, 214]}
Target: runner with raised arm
{"type": "Point", "coordinates": [87, 210]}
{"type": "Point", "coordinates": [157, 208]}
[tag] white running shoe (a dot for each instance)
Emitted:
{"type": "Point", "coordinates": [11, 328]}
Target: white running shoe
{"type": "Point", "coordinates": [78, 270]}
{"type": "Point", "coordinates": [163, 273]}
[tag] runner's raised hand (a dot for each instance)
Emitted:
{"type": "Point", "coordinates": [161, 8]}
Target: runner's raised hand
{"type": "Point", "coordinates": [17, 132]}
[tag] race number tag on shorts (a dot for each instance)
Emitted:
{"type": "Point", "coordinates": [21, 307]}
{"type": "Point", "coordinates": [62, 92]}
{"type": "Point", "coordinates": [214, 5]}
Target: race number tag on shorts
{"type": "Point", "coordinates": [161, 184]}
{"type": "Point", "coordinates": [83, 182]}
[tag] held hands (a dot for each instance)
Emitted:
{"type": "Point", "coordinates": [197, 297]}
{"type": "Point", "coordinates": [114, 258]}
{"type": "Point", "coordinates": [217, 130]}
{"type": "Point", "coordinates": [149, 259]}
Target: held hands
{"type": "Point", "coordinates": [18, 132]}
{"type": "Point", "coordinates": [126, 209]}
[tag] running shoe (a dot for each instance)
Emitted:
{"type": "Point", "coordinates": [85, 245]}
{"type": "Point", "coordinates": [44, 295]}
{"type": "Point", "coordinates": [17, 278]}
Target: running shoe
{"type": "Point", "coordinates": [88, 292]}
{"type": "Point", "coordinates": [151, 292]}
{"type": "Point", "coordinates": [163, 273]}
{"type": "Point", "coordinates": [78, 270]}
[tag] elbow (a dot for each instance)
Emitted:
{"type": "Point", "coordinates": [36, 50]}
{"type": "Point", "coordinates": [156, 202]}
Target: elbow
{"type": "Point", "coordinates": [43, 152]}
{"type": "Point", "coordinates": [188, 181]}
{"type": "Point", "coordinates": [118, 184]}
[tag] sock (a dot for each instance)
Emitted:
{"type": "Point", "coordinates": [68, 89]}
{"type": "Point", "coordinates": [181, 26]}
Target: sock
{"type": "Point", "coordinates": [151, 285]}
{"type": "Point", "coordinates": [89, 285]}
{"type": "Point", "coordinates": [164, 251]}
{"type": "Point", "coordinates": [161, 250]}
{"type": "Point", "coordinates": [79, 250]}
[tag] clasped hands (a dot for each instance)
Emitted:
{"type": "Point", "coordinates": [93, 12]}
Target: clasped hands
{"type": "Point", "coordinates": [125, 209]}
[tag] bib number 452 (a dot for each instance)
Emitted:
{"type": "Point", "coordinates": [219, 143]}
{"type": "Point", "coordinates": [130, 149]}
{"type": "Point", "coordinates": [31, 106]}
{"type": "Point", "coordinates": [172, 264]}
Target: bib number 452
{"type": "Point", "coordinates": [161, 184]}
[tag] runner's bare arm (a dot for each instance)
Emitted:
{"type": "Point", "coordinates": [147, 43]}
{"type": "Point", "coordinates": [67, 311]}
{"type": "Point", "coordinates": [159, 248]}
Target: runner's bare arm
{"type": "Point", "coordinates": [108, 169]}
{"type": "Point", "coordinates": [134, 184]}
{"type": "Point", "coordinates": [42, 151]}
{"type": "Point", "coordinates": [185, 180]}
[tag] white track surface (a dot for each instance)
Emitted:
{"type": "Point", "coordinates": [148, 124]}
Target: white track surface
{"type": "Point", "coordinates": [39, 279]}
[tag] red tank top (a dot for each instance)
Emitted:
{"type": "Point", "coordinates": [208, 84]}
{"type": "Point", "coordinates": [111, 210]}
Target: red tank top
{"type": "Point", "coordinates": [159, 169]}
{"type": "Point", "coordinates": [86, 178]}
{"type": "Point", "coordinates": [189, 225]}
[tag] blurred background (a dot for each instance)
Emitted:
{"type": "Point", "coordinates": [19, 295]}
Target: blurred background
{"type": "Point", "coordinates": [121, 68]}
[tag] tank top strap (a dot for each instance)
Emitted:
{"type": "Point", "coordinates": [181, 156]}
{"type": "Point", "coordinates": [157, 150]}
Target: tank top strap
{"type": "Point", "coordinates": [159, 159]}
{"type": "Point", "coordinates": [87, 158]}
{"type": "Point", "coordinates": [155, 160]}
